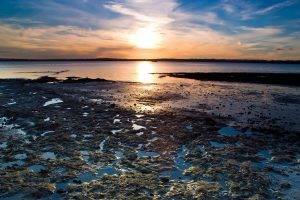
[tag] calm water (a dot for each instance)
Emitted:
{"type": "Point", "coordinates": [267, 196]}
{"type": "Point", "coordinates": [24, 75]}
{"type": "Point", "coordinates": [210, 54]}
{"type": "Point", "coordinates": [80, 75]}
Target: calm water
{"type": "Point", "coordinates": [130, 71]}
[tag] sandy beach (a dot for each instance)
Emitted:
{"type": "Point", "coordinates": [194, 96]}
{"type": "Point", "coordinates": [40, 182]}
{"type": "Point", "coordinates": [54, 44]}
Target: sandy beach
{"type": "Point", "coordinates": [118, 140]}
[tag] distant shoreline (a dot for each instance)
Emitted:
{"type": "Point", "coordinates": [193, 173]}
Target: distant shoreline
{"type": "Point", "coordinates": [288, 79]}
{"type": "Point", "coordinates": [284, 79]}
{"type": "Point", "coordinates": [154, 60]}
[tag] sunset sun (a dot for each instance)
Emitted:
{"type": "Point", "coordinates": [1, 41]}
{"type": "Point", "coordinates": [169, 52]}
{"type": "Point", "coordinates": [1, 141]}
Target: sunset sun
{"type": "Point", "coordinates": [145, 38]}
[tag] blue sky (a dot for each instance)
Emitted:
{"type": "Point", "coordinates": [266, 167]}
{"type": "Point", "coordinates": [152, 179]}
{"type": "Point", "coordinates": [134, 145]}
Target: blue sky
{"type": "Point", "coordinates": [150, 29]}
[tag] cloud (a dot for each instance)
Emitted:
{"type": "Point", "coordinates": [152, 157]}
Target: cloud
{"type": "Point", "coordinates": [274, 7]}
{"type": "Point", "coordinates": [262, 31]}
{"type": "Point", "coordinates": [247, 10]}
{"type": "Point", "coordinates": [66, 31]}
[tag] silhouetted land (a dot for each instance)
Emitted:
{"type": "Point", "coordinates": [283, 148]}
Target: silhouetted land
{"type": "Point", "coordinates": [291, 79]}
{"type": "Point", "coordinates": [162, 60]}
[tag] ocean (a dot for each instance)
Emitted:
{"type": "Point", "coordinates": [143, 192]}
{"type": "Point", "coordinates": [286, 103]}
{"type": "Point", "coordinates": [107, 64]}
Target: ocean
{"type": "Point", "coordinates": [140, 71]}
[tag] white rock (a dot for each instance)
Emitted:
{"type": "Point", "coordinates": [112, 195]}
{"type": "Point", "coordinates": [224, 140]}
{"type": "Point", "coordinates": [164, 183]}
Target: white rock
{"type": "Point", "coordinates": [137, 127]}
{"type": "Point", "coordinates": [47, 132]}
{"type": "Point", "coordinates": [117, 121]}
{"type": "Point", "coordinates": [53, 101]}
{"type": "Point", "coordinates": [140, 134]}
{"type": "Point", "coordinates": [47, 119]}
{"type": "Point", "coordinates": [116, 131]}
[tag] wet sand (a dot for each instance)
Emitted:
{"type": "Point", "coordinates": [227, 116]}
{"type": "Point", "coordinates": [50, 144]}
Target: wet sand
{"type": "Point", "coordinates": [115, 140]}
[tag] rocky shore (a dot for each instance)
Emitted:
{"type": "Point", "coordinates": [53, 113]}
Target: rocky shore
{"type": "Point", "coordinates": [98, 139]}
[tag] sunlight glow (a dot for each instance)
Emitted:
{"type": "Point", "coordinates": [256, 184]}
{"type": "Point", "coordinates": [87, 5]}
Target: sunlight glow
{"type": "Point", "coordinates": [145, 38]}
{"type": "Point", "coordinates": [144, 70]}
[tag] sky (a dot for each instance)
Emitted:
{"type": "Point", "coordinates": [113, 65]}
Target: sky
{"type": "Point", "coordinates": [232, 29]}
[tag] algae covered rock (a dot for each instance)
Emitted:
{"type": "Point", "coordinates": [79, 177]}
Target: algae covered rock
{"type": "Point", "coordinates": [194, 190]}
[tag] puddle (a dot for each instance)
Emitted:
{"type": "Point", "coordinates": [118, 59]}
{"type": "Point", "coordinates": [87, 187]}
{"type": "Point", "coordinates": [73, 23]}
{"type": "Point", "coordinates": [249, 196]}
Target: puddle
{"type": "Point", "coordinates": [144, 154]}
{"type": "Point", "coordinates": [17, 163]}
{"type": "Point", "coordinates": [288, 183]}
{"type": "Point", "coordinates": [101, 145]}
{"type": "Point", "coordinates": [36, 168]}
{"type": "Point", "coordinates": [119, 155]}
{"type": "Point", "coordinates": [228, 131]}
{"type": "Point", "coordinates": [21, 156]}
{"type": "Point", "coordinates": [104, 171]}
{"type": "Point", "coordinates": [180, 165]}
{"type": "Point", "coordinates": [48, 155]}
{"type": "Point", "coordinates": [189, 127]}
{"type": "Point", "coordinates": [217, 144]}
{"type": "Point", "coordinates": [60, 170]}
{"type": "Point", "coordinates": [85, 155]}
{"type": "Point", "coordinates": [265, 154]}
{"type": "Point", "coordinates": [3, 145]}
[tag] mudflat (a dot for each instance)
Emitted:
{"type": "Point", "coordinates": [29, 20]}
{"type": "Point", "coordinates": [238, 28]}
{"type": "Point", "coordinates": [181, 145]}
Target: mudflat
{"type": "Point", "coordinates": [86, 138]}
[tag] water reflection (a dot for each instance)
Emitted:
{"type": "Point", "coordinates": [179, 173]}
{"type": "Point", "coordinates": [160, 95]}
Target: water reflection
{"type": "Point", "coordinates": [143, 72]}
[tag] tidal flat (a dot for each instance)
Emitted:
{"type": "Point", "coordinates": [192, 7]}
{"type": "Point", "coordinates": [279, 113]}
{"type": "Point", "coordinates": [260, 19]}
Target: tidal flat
{"type": "Point", "coordinates": [98, 139]}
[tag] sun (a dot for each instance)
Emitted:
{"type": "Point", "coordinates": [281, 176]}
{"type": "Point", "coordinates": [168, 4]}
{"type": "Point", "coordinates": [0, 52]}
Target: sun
{"type": "Point", "coordinates": [146, 38]}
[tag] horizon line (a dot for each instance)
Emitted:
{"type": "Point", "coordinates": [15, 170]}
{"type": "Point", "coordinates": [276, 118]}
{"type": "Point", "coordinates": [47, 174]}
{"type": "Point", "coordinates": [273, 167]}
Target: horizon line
{"type": "Point", "coordinates": [157, 60]}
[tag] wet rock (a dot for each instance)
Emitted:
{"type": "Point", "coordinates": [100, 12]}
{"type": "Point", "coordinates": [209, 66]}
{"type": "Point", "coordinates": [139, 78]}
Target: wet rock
{"type": "Point", "coordinates": [194, 190]}
{"type": "Point", "coordinates": [43, 190]}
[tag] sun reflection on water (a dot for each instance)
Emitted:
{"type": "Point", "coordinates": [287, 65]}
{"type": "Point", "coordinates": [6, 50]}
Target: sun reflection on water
{"type": "Point", "coordinates": [143, 72]}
